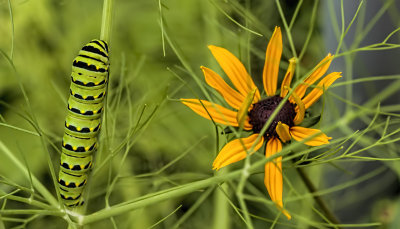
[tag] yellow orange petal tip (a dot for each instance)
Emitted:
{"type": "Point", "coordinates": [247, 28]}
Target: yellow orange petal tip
{"type": "Point", "coordinates": [328, 57]}
{"type": "Point", "coordinates": [284, 211]}
{"type": "Point", "coordinates": [215, 166]}
{"type": "Point", "coordinates": [288, 216]}
{"type": "Point", "coordinates": [277, 32]}
{"type": "Point", "coordinates": [211, 47]}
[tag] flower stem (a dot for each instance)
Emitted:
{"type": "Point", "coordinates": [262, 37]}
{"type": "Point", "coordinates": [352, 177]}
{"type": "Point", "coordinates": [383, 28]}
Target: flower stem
{"type": "Point", "coordinates": [310, 186]}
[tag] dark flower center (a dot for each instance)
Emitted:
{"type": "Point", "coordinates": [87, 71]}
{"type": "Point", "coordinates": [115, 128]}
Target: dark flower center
{"type": "Point", "coordinates": [262, 110]}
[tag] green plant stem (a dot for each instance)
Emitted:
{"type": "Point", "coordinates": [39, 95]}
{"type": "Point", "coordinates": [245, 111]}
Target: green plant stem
{"type": "Point", "coordinates": [158, 197]}
{"type": "Point", "coordinates": [310, 186]}
{"type": "Point", "coordinates": [239, 192]}
{"type": "Point", "coordinates": [310, 30]}
{"type": "Point", "coordinates": [32, 212]}
{"type": "Point", "coordinates": [221, 207]}
{"type": "Point", "coordinates": [287, 29]}
{"type": "Point", "coordinates": [106, 21]}
{"type": "Point", "coordinates": [35, 182]}
{"type": "Point", "coordinates": [12, 30]}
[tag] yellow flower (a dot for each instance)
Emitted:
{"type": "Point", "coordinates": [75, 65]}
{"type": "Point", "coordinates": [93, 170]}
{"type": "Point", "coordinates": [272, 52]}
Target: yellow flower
{"type": "Point", "coordinates": [252, 112]}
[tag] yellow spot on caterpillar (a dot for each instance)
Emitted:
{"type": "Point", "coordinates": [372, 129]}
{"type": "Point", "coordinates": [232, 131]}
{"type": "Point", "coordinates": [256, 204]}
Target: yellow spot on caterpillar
{"type": "Point", "coordinates": [96, 83]}
{"type": "Point", "coordinates": [70, 166]}
{"type": "Point", "coordinates": [82, 111]}
{"type": "Point", "coordinates": [78, 129]}
{"type": "Point", "coordinates": [69, 107]}
{"type": "Point", "coordinates": [85, 83]}
{"type": "Point", "coordinates": [91, 129]}
{"type": "Point", "coordinates": [94, 112]}
{"type": "Point", "coordinates": [82, 167]}
{"type": "Point", "coordinates": [84, 97]}
{"type": "Point", "coordinates": [66, 183]}
{"type": "Point", "coordinates": [87, 148]}
{"type": "Point", "coordinates": [96, 96]}
{"type": "Point", "coordinates": [74, 148]}
{"type": "Point", "coordinates": [97, 68]}
{"type": "Point", "coordinates": [64, 144]}
{"type": "Point", "coordinates": [66, 124]}
{"type": "Point", "coordinates": [88, 64]}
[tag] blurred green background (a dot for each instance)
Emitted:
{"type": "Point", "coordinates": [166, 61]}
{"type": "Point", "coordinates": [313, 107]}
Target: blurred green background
{"type": "Point", "coordinates": [145, 120]}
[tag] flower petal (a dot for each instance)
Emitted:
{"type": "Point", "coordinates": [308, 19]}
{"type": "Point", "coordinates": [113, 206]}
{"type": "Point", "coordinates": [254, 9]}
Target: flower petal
{"type": "Point", "coordinates": [300, 108]}
{"type": "Point", "coordinates": [217, 112]}
{"type": "Point", "coordinates": [288, 77]}
{"type": "Point", "coordinates": [318, 73]}
{"type": "Point", "coordinates": [300, 133]}
{"type": "Point", "coordinates": [242, 114]}
{"type": "Point", "coordinates": [234, 150]}
{"type": "Point", "coordinates": [283, 132]}
{"type": "Point", "coordinates": [231, 96]}
{"type": "Point", "coordinates": [235, 70]}
{"type": "Point", "coordinates": [273, 174]}
{"type": "Point", "coordinates": [272, 60]}
{"type": "Point", "coordinates": [314, 95]}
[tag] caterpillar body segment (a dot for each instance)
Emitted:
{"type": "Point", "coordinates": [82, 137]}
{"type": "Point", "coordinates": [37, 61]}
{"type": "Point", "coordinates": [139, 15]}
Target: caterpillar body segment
{"type": "Point", "coordinates": [72, 182]}
{"type": "Point", "coordinates": [78, 146]}
{"type": "Point", "coordinates": [90, 81]}
{"type": "Point", "coordinates": [71, 199]}
{"type": "Point", "coordinates": [80, 108]}
{"type": "Point", "coordinates": [82, 128]}
{"type": "Point", "coordinates": [87, 94]}
{"type": "Point", "coordinates": [83, 122]}
{"type": "Point", "coordinates": [85, 65]}
{"type": "Point", "coordinates": [71, 188]}
{"type": "Point", "coordinates": [75, 165]}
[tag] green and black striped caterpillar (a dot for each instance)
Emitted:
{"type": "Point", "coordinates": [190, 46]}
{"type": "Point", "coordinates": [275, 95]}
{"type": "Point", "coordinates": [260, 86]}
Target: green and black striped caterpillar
{"type": "Point", "coordinates": [85, 105]}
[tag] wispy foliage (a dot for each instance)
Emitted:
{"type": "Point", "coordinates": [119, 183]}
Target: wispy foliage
{"type": "Point", "coordinates": [154, 165]}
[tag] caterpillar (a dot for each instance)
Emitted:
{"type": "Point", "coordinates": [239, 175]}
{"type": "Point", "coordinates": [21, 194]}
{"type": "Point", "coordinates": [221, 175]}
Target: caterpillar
{"type": "Point", "coordinates": [83, 122]}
